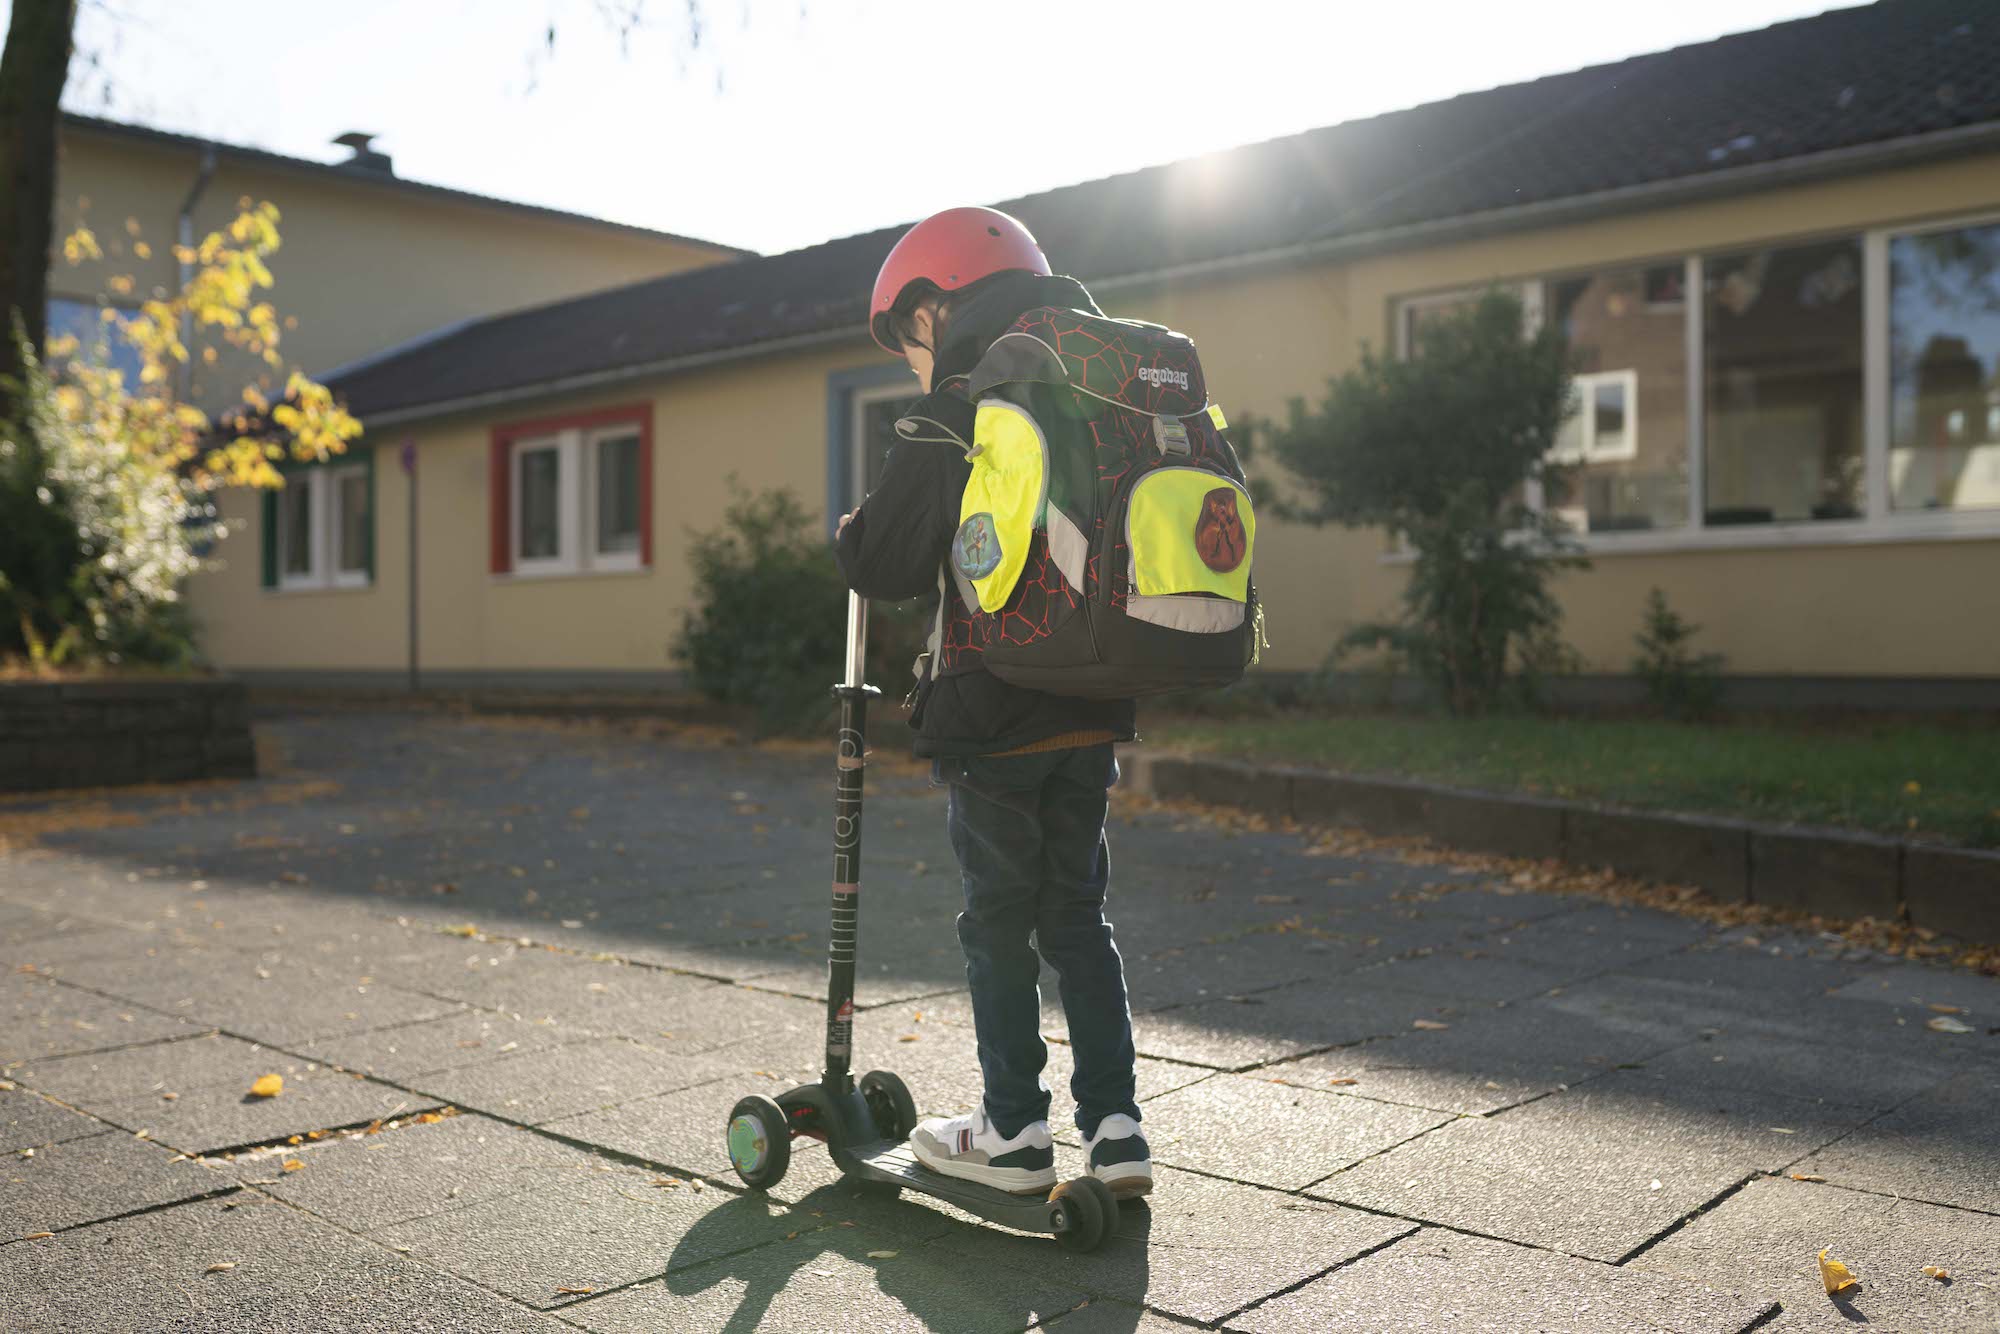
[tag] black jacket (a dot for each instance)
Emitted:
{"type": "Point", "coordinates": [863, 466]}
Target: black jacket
{"type": "Point", "coordinates": [897, 543]}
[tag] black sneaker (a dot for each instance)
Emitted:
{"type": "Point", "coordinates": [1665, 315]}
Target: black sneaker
{"type": "Point", "coordinates": [1118, 1156]}
{"type": "Point", "coordinates": [969, 1147]}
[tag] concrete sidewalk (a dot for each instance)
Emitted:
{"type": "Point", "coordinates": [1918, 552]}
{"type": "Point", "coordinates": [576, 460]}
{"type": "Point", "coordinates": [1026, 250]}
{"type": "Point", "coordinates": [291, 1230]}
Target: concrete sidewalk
{"type": "Point", "coordinates": [514, 975]}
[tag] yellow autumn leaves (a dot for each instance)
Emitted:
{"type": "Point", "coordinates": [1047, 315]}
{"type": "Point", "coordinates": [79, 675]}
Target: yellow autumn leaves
{"type": "Point", "coordinates": [220, 296]}
{"type": "Point", "coordinates": [268, 1086]}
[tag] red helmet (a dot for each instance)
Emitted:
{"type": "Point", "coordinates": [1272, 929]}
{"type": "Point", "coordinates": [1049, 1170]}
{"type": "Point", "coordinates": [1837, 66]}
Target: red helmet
{"type": "Point", "coordinates": [950, 250]}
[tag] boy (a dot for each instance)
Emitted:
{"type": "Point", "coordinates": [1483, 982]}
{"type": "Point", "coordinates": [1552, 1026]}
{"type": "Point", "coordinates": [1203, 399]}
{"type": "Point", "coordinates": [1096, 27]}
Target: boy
{"type": "Point", "coordinates": [1028, 773]}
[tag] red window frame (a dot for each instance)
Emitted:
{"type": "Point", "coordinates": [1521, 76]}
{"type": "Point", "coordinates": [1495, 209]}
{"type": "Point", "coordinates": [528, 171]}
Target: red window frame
{"type": "Point", "coordinates": [500, 473]}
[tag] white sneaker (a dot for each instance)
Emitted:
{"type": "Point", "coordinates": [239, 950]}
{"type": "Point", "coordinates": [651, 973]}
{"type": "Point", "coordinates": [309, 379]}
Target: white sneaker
{"type": "Point", "coordinates": [1118, 1156]}
{"type": "Point", "coordinates": [969, 1147]}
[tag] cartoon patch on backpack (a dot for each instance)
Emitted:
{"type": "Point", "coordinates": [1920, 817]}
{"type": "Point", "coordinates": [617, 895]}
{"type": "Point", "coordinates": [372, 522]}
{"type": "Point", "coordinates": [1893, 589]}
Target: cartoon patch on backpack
{"type": "Point", "coordinates": [975, 552]}
{"type": "Point", "coordinates": [1218, 531]}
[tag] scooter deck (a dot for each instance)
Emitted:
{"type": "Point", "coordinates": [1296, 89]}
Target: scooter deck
{"type": "Point", "coordinates": [894, 1164]}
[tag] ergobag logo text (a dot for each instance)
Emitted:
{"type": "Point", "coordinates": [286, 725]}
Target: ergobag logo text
{"type": "Point", "coordinates": [1159, 375]}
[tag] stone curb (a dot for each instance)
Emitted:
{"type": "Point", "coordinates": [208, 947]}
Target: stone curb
{"type": "Point", "coordinates": [1952, 890]}
{"type": "Point", "coordinates": [109, 733]}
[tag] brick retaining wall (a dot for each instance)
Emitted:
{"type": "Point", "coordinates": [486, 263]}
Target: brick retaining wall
{"type": "Point", "coordinates": [108, 733]}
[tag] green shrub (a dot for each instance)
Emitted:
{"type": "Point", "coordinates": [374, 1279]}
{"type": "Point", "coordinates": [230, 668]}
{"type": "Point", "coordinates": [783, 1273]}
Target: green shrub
{"type": "Point", "coordinates": [1439, 448]}
{"type": "Point", "coordinates": [768, 630]}
{"type": "Point", "coordinates": [1680, 682]}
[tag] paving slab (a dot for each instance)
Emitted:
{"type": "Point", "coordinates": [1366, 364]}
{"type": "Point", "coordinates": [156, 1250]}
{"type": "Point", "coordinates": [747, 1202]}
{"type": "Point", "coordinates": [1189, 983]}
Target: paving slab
{"type": "Point", "coordinates": [1271, 1134]}
{"type": "Point", "coordinates": [850, 1278]}
{"type": "Point", "coordinates": [682, 1130]}
{"type": "Point", "coordinates": [1436, 1280]}
{"type": "Point", "coordinates": [1943, 1145]}
{"type": "Point", "coordinates": [28, 1121]}
{"type": "Point", "coordinates": [218, 1118]}
{"type": "Point", "coordinates": [1765, 1241]}
{"type": "Point", "coordinates": [541, 1085]}
{"type": "Point", "coordinates": [613, 1229]}
{"type": "Point", "coordinates": [290, 1274]}
{"type": "Point", "coordinates": [1763, 969]}
{"type": "Point", "coordinates": [1275, 1025]}
{"type": "Point", "coordinates": [186, 1065]}
{"type": "Point", "coordinates": [1974, 998]}
{"type": "Point", "coordinates": [366, 1183]}
{"type": "Point", "coordinates": [1469, 976]}
{"type": "Point", "coordinates": [1197, 1248]}
{"type": "Point", "coordinates": [225, 989]}
{"type": "Point", "coordinates": [1596, 936]}
{"type": "Point", "coordinates": [407, 1051]}
{"type": "Point", "coordinates": [1484, 1062]}
{"type": "Point", "coordinates": [40, 1019]}
{"type": "Point", "coordinates": [98, 1176]}
{"type": "Point", "coordinates": [1108, 1317]}
{"type": "Point", "coordinates": [1574, 1172]}
{"type": "Point", "coordinates": [1823, 1071]}
{"type": "Point", "coordinates": [568, 988]}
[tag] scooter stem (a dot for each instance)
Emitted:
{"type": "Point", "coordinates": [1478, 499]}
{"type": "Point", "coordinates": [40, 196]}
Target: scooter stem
{"type": "Point", "coordinates": [849, 757]}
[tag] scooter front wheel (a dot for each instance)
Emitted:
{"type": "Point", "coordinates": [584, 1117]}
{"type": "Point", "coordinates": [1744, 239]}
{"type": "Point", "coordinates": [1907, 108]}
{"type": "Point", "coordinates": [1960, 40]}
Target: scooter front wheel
{"type": "Point", "coordinates": [760, 1141]}
{"type": "Point", "coordinates": [890, 1103]}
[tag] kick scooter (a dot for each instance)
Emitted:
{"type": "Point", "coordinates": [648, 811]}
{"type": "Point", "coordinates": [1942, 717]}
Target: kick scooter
{"type": "Point", "coordinates": [866, 1124]}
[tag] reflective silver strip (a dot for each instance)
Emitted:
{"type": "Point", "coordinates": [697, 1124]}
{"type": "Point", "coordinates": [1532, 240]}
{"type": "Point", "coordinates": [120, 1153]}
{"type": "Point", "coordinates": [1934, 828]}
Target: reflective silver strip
{"type": "Point", "coordinates": [1067, 547]}
{"type": "Point", "coordinates": [1185, 611]}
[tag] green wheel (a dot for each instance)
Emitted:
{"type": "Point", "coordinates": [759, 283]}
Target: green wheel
{"type": "Point", "coordinates": [889, 1100]}
{"type": "Point", "coordinates": [760, 1141]}
{"type": "Point", "coordinates": [1088, 1213]}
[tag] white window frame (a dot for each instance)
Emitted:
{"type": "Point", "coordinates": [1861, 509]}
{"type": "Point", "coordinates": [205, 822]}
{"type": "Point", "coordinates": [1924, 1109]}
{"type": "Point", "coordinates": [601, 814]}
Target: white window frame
{"type": "Point", "coordinates": [1877, 524]}
{"type": "Point", "coordinates": [323, 512]}
{"type": "Point", "coordinates": [1590, 447]}
{"type": "Point", "coordinates": [577, 463]}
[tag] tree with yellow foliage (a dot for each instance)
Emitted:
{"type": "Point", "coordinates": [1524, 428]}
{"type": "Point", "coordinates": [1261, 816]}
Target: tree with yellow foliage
{"type": "Point", "coordinates": [105, 484]}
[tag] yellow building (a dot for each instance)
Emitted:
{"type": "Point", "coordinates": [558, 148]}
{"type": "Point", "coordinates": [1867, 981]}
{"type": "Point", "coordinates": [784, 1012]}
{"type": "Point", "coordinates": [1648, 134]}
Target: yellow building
{"type": "Point", "coordinates": [1776, 255]}
{"type": "Point", "coordinates": [368, 261]}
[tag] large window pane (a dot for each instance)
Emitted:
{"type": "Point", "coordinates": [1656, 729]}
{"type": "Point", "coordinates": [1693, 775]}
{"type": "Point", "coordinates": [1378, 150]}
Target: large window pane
{"type": "Point", "coordinates": [541, 504]}
{"type": "Point", "coordinates": [352, 522]}
{"type": "Point", "coordinates": [1944, 366]}
{"type": "Point", "coordinates": [295, 509]}
{"type": "Point", "coordinates": [618, 494]}
{"type": "Point", "coordinates": [1782, 347]}
{"type": "Point", "coordinates": [1627, 444]}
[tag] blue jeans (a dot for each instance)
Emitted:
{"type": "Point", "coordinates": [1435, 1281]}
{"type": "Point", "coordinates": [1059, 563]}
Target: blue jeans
{"type": "Point", "coordinates": [1029, 834]}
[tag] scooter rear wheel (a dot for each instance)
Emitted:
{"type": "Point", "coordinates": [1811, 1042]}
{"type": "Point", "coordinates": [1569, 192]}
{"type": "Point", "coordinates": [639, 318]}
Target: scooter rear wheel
{"type": "Point", "coordinates": [760, 1141]}
{"type": "Point", "coordinates": [1090, 1211]}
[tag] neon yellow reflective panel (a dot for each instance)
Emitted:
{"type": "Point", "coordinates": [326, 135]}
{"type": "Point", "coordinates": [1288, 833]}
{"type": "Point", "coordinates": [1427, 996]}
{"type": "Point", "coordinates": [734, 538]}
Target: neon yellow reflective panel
{"type": "Point", "coordinates": [1009, 482]}
{"type": "Point", "coordinates": [1215, 415]}
{"type": "Point", "coordinates": [1192, 532]}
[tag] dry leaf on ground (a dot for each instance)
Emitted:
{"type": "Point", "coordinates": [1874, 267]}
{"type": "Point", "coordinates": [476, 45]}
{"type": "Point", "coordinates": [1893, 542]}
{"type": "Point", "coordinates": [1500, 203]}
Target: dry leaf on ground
{"type": "Point", "coordinates": [37, 1236]}
{"type": "Point", "coordinates": [1836, 1276]}
{"type": "Point", "coordinates": [220, 1267]}
{"type": "Point", "coordinates": [1947, 1009]}
{"type": "Point", "coordinates": [882, 1255]}
{"type": "Point", "coordinates": [1937, 1272]}
{"type": "Point", "coordinates": [1342, 1083]}
{"type": "Point", "coordinates": [1946, 1024]}
{"type": "Point", "coordinates": [1429, 1024]}
{"type": "Point", "coordinates": [576, 1292]}
{"type": "Point", "coordinates": [294, 1165]}
{"type": "Point", "coordinates": [268, 1086]}
{"type": "Point", "coordinates": [1806, 1176]}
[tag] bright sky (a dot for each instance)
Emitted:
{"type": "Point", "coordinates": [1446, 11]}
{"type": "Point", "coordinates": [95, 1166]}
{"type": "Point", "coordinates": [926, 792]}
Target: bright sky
{"type": "Point", "coordinates": [801, 120]}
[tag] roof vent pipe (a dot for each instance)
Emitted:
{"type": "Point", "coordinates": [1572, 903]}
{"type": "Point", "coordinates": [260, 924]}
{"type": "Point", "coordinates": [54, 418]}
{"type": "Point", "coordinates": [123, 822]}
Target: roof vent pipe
{"type": "Point", "coordinates": [365, 158]}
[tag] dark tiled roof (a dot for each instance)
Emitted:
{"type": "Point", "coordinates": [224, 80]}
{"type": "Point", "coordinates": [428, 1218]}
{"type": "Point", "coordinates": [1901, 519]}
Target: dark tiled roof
{"type": "Point", "coordinates": [1843, 79]}
{"type": "Point", "coordinates": [342, 172]}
